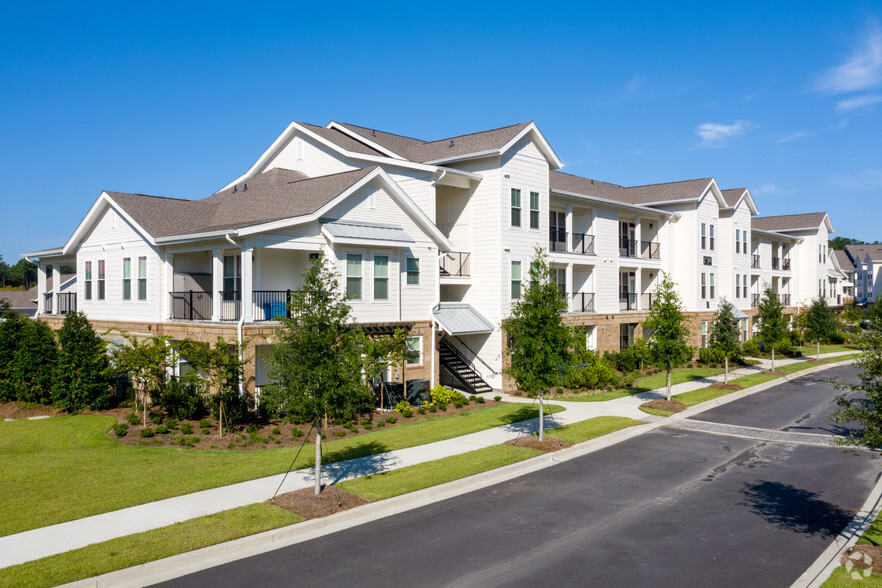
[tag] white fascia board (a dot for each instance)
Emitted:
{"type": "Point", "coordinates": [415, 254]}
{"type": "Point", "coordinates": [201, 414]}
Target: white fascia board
{"type": "Point", "coordinates": [174, 239]}
{"type": "Point", "coordinates": [337, 126]}
{"type": "Point", "coordinates": [828, 223]}
{"type": "Point", "coordinates": [466, 157]}
{"type": "Point", "coordinates": [544, 147]}
{"type": "Point", "coordinates": [715, 189]}
{"type": "Point", "coordinates": [774, 235]}
{"type": "Point", "coordinates": [366, 242]}
{"type": "Point", "coordinates": [104, 201]}
{"type": "Point", "coordinates": [617, 204]}
{"type": "Point", "coordinates": [459, 172]}
{"type": "Point", "coordinates": [54, 252]}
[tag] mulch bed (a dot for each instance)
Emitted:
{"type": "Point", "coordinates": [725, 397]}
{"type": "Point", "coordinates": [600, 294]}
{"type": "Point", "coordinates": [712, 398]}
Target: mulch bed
{"type": "Point", "coordinates": [857, 555]}
{"type": "Point", "coordinates": [720, 386]}
{"type": "Point", "coordinates": [662, 404]}
{"type": "Point", "coordinates": [548, 444]}
{"type": "Point", "coordinates": [305, 503]}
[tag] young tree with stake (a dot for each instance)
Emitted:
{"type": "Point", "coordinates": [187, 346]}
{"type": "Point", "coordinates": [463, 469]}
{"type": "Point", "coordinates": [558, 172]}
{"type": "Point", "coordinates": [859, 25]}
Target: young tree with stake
{"type": "Point", "coordinates": [773, 323]}
{"type": "Point", "coordinates": [724, 333]}
{"type": "Point", "coordinates": [667, 325]}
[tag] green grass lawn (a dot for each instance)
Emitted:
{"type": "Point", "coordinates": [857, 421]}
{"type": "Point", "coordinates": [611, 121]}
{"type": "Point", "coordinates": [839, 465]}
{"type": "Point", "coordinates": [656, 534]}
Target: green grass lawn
{"type": "Point", "coordinates": [602, 396]}
{"type": "Point", "coordinates": [678, 376]}
{"type": "Point", "coordinates": [124, 552]}
{"type": "Point", "coordinates": [433, 473]}
{"type": "Point", "coordinates": [700, 395]}
{"type": "Point", "coordinates": [809, 350]}
{"type": "Point", "coordinates": [841, 578]}
{"type": "Point", "coordinates": [591, 429]}
{"type": "Point", "coordinates": [72, 469]}
{"type": "Point", "coordinates": [656, 411]}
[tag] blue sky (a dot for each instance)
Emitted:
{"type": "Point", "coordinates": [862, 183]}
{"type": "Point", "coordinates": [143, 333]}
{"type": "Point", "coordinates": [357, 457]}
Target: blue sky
{"type": "Point", "coordinates": [177, 99]}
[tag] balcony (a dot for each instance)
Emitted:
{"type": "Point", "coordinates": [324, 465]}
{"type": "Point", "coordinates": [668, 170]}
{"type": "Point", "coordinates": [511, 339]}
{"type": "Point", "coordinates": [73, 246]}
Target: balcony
{"type": "Point", "coordinates": [67, 302]}
{"type": "Point", "coordinates": [755, 264]}
{"type": "Point", "coordinates": [267, 305]}
{"type": "Point", "coordinates": [649, 250]}
{"type": "Point", "coordinates": [583, 244]}
{"type": "Point", "coordinates": [776, 263]}
{"type": "Point", "coordinates": [627, 247]}
{"type": "Point", "coordinates": [628, 301]}
{"type": "Point", "coordinates": [785, 299]}
{"type": "Point", "coordinates": [456, 264]}
{"type": "Point", "coordinates": [190, 305]}
{"type": "Point", "coordinates": [754, 300]}
{"type": "Point", "coordinates": [785, 264]}
{"type": "Point", "coordinates": [583, 302]}
{"type": "Point", "coordinates": [649, 299]}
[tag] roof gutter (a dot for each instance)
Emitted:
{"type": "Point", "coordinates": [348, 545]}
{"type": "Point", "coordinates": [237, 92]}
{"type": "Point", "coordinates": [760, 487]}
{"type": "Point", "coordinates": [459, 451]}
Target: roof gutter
{"type": "Point", "coordinates": [616, 203]}
{"type": "Point", "coordinates": [239, 328]}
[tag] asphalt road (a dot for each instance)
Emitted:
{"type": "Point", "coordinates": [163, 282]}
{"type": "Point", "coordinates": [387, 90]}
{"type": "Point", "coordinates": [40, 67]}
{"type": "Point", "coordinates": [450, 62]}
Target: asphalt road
{"type": "Point", "coordinates": [674, 507]}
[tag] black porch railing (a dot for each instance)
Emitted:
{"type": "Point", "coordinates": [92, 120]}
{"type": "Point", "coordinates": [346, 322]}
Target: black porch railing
{"type": "Point", "coordinates": [775, 263]}
{"type": "Point", "coordinates": [557, 240]}
{"type": "Point", "coordinates": [628, 301]}
{"type": "Point", "coordinates": [649, 299]}
{"type": "Point", "coordinates": [231, 305]}
{"type": "Point", "coordinates": [190, 305]}
{"type": "Point", "coordinates": [627, 247]}
{"type": "Point", "coordinates": [755, 264]}
{"type": "Point", "coordinates": [785, 299]}
{"type": "Point", "coordinates": [270, 305]}
{"type": "Point", "coordinates": [67, 302]}
{"type": "Point", "coordinates": [754, 300]}
{"type": "Point", "coordinates": [649, 250]}
{"type": "Point", "coordinates": [785, 264]}
{"type": "Point", "coordinates": [583, 302]}
{"type": "Point", "coordinates": [47, 303]}
{"type": "Point", "coordinates": [456, 264]}
{"type": "Point", "coordinates": [583, 243]}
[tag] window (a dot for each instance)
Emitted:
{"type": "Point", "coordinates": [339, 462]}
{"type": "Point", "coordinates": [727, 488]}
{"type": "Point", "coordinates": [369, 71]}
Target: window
{"type": "Point", "coordinates": [381, 277]}
{"type": "Point", "coordinates": [712, 286]}
{"type": "Point", "coordinates": [560, 275]}
{"type": "Point", "coordinates": [711, 237]}
{"type": "Point", "coordinates": [626, 335]}
{"type": "Point", "coordinates": [557, 228]}
{"type": "Point", "coordinates": [88, 280]}
{"type": "Point", "coordinates": [142, 278]}
{"type": "Point", "coordinates": [744, 241]}
{"type": "Point", "coordinates": [101, 279]}
{"type": "Point", "coordinates": [703, 286]}
{"type": "Point", "coordinates": [745, 334]}
{"type": "Point", "coordinates": [591, 338]}
{"type": "Point", "coordinates": [820, 254]}
{"type": "Point", "coordinates": [414, 350]}
{"type": "Point", "coordinates": [232, 276]}
{"type": "Point", "coordinates": [413, 271]}
{"type": "Point", "coordinates": [515, 280]}
{"type": "Point", "coordinates": [515, 207]}
{"type": "Point", "coordinates": [744, 284]}
{"type": "Point", "coordinates": [819, 288]}
{"type": "Point", "coordinates": [127, 278]}
{"type": "Point", "coordinates": [703, 236]}
{"type": "Point", "coordinates": [353, 276]}
{"type": "Point", "coordinates": [704, 334]}
{"type": "Point", "coordinates": [534, 210]}
{"type": "Point", "coordinates": [737, 244]}
{"type": "Point", "coordinates": [737, 285]}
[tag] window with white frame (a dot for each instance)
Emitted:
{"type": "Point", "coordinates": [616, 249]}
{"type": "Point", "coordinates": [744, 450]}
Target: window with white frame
{"type": "Point", "coordinates": [703, 286]}
{"type": "Point", "coordinates": [414, 350]}
{"type": "Point", "coordinates": [127, 278]}
{"type": "Point", "coordinates": [737, 241]}
{"type": "Point", "coordinates": [88, 281]}
{"type": "Point", "coordinates": [712, 286]}
{"type": "Point", "coordinates": [744, 241]}
{"type": "Point", "coordinates": [626, 335]}
{"type": "Point", "coordinates": [744, 284]}
{"type": "Point", "coordinates": [591, 338]}
{"type": "Point", "coordinates": [711, 237]}
{"type": "Point", "coordinates": [101, 275]}
{"type": "Point", "coordinates": [232, 276]}
{"type": "Point", "coordinates": [737, 285]}
{"type": "Point", "coordinates": [515, 207]}
{"type": "Point", "coordinates": [703, 334]}
{"type": "Point", "coordinates": [142, 278]}
{"type": "Point", "coordinates": [703, 236]}
{"type": "Point", "coordinates": [353, 276]}
{"type": "Point", "coordinates": [745, 332]}
{"type": "Point", "coordinates": [515, 280]}
{"type": "Point", "coordinates": [534, 210]}
{"type": "Point", "coordinates": [381, 277]}
{"type": "Point", "coordinates": [413, 271]}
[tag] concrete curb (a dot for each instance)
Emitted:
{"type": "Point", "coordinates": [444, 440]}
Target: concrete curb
{"type": "Point", "coordinates": [207, 557]}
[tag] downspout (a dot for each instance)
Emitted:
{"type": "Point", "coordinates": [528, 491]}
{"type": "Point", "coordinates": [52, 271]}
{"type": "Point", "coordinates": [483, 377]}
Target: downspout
{"type": "Point", "coordinates": [239, 330]}
{"type": "Point", "coordinates": [435, 305]}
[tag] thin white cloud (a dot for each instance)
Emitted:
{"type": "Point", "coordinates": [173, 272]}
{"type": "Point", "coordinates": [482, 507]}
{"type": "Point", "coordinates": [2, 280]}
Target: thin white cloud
{"type": "Point", "coordinates": [858, 102]}
{"type": "Point", "coordinates": [635, 85]}
{"type": "Point", "coordinates": [795, 136]}
{"type": "Point", "coordinates": [718, 135]}
{"type": "Point", "coordinates": [771, 190]}
{"type": "Point", "coordinates": [867, 179]}
{"type": "Point", "coordinates": [861, 71]}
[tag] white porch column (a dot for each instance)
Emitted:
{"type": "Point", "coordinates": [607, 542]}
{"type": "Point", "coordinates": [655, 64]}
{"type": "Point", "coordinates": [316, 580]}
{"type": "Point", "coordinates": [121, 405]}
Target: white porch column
{"type": "Point", "coordinates": [247, 283]}
{"type": "Point", "coordinates": [569, 228]}
{"type": "Point", "coordinates": [217, 283]}
{"type": "Point", "coordinates": [638, 286]}
{"type": "Point", "coordinates": [569, 281]}
{"type": "Point", "coordinates": [41, 289]}
{"type": "Point", "coordinates": [638, 237]}
{"type": "Point", "coordinates": [56, 287]}
{"type": "Point", "coordinates": [169, 273]}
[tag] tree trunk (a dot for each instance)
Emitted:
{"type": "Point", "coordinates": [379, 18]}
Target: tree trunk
{"type": "Point", "coordinates": [220, 420]}
{"type": "Point", "coordinates": [318, 458]}
{"type": "Point", "coordinates": [669, 381]}
{"type": "Point", "coordinates": [144, 405]}
{"type": "Point", "coordinates": [726, 377]}
{"type": "Point", "coordinates": [818, 356]}
{"type": "Point", "coordinates": [541, 418]}
{"type": "Point", "coordinates": [773, 358]}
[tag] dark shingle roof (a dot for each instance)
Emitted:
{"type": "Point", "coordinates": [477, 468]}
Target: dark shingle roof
{"type": "Point", "coordinates": [273, 195]}
{"type": "Point", "coordinates": [732, 196]}
{"type": "Point", "coordinates": [451, 147]}
{"type": "Point", "coordinates": [844, 261]}
{"type": "Point", "coordinates": [650, 194]}
{"type": "Point", "coordinates": [788, 222]}
{"type": "Point", "coordinates": [860, 251]}
{"type": "Point", "coordinates": [562, 182]}
{"type": "Point", "coordinates": [342, 140]}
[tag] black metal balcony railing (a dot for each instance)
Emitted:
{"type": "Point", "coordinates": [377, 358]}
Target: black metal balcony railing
{"type": "Point", "coordinates": [456, 264]}
{"type": "Point", "coordinates": [785, 299]}
{"type": "Point", "coordinates": [583, 243]}
{"type": "Point", "coordinates": [67, 302]}
{"type": "Point", "coordinates": [754, 300]}
{"type": "Point", "coordinates": [785, 264]}
{"type": "Point", "coordinates": [190, 305]}
{"type": "Point", "coordinates": [47, 303]}
{"type": "Point", "coordinates": [649, 299]}
{"type": "Point", "coordinates": [775, 263]}
{"type": "Point", "coordinates": [583, 302]}
{"type": "Point", "coordinates": [755, 264]}
{"type": "Point", "coordinates": [627, 301]}
{"type": "Point", "coordinates": [627, 247]}
{"type": "Point", "coordinates": [557, 240]}
{"type": "Point", "coordinates": [649, 250]}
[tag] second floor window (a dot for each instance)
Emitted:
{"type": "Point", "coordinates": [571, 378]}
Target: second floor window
{"type": "Point", "coordinates": [413, 271]}
{"type": "Point", "coordinates": [515, 207]}
{"type": "Point", "coordinates": [744, 241]}
{"type": "Point", "coordinates": [703, 236]}
{"type": "Point", "coordinates": [88, 284]}
{"type": "Point", "coordinates": [711, 237]}
{"type": "Point", "coordinates": [515, 280]}
{"type": "Point", "coordinates": [381, 277]}
{"type": "Point", "coordinates": [703, 286]}
{"type": "Point", "coordinates": [353, 276]}
{"type": "Point", "coordinates": [101, 291]}
{"type": "Point", "coordinates": [557, 225]}
{"type": "Point", "coordinates": [712, 285]}
{"type": "Point", "coordinates": [534, 210]}
{"type": "Point", "coordinates": [127, 278]}
{"type": "Point", "coordinates": [744, 284]}
{"type": "Point", "coordinates": [737, 242]}
{"type": "Point", "coordinates": [142, 278]}
{"type": "Point", "coordinates": [737, 285]}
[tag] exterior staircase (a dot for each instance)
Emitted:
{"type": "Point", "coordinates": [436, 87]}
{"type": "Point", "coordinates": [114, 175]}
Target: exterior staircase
{"type": "Point", "coordinates": [461, 369]}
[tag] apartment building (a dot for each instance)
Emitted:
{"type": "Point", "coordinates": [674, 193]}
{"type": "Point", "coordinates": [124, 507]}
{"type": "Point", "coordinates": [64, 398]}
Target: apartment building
{"type": "Point", "coordinates": [866, 280]}
{"type": "Point", "coordinates": [432, 236]}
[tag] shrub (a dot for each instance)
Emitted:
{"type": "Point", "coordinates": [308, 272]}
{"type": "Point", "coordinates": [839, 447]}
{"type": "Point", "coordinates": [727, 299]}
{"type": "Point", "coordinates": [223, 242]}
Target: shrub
{"type": "Point", "coordinates": [182, 398]}
{"type": "Point", "coordinates": [206, 431]}
{"type": "Point", "coordinates": [432, 408]}
{"type": "Point", "coordinates": [34, 362]}
{"type": "Point", "coordinates": [10, 334]}
{"type": "Point", "coordinates": [341, 433]}
{"type": "Point", "coordinates": [782, 347]}
{"type": "Point", "coordinates": [205, 424]}
{"type": "Point", "coordinates": [381, 423]}
{"type": "Point", "coordinates": [838, 337]}
{"type": "Point", "coordinates": [162, 429]}
{"type": "Point", "coordinates": [250, 429]}
{"type": "Point", "coordinates": [365, 422]}
{"type": "Point", "coordinates": [296, 432]}
{"type": "Point", "coordinates": [421, 410]}
{"type": "Point", "coordinates": [120, 429]}
{"type": "Point", "coordinates": [751, 348]}
{"type": "Point", "coordinates": [711, 356]}
{"type": "Point", "coordinates": [276, 431]}
{"type": "Point", "coordinates": [83, 378]}
{"type": "Point", "coordinates": [133, 419]}
{"type": "Point", "coordinates": [186, 428]}
{"type": "Point", "coordinates": [460, 401]}
{"type": "Point", "coordinates": [497, 398]}
{"type": "Point", "coordinates": [481, 400]}
{"type": "Point", "coordinates": [368, 427]}
{"type": "Point", "coordinates": [171, 423]}
{"type": "Point", "coordinates": [147, 432]}
{"type": "Point", "coordinates": [391, 419]}
{"type": "Point", "coordinates": [255, 438]}
{"type": "Point", "coordinates": [402, 407]}
{"type": "Point", "coordinates": [442, 395]}
{"type": "Point", "coordinates": [156, 419]}
{"type": "Point", "coordinates": [590, 371]}
{"type": "Point", "coordinates": [442, 406]}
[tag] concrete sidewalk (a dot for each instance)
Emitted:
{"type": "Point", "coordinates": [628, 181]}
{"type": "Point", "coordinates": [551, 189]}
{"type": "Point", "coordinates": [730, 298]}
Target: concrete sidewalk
{"type": "Point", "coordinates": [54, 539]}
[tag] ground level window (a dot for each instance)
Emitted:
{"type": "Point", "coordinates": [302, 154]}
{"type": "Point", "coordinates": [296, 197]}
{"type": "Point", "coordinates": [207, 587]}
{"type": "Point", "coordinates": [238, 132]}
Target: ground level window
{"type": "Point", "coordinates": [626, 335]}
{"type": "Point", "coordinates": [142, 278]}
{"type": "Point", "coordinates": [414, 350]}
{"type": "Point", "coordinates": [703, 334]}
{"type": "Point", "coordinates": [515, 280]}
{"type": "Point", "coordinates": [127, 278]}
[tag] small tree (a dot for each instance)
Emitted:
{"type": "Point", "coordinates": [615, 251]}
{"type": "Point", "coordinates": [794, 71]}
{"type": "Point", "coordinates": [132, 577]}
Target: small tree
{"type": "Point", "coordinates": [34, 362]}
{"type": "Point", "coordinates": [540, 339]}
{"type": "Point", "coordinates": [147, 363]}
{"type": "Point", "coordinates": [382, 352]}
{"type": "Point", "coordinates": [316, 367]}
{"type": "Point", "coordinates": [667, 323]}
{"type": "Point", "coordinates": [724, 333]}
{"type": "Point", "coordinates": [220, 367]}
{"type": "Point", "coordinates": [11, 326]}
{"type": "Point", "coordinates": [820, 323]}
{"type": "Point", "coordinates": [773, 323]}
{"type": "Point", "coordinates": [866, 412]}
{"type": "Point", "coordinates": [82, 374]}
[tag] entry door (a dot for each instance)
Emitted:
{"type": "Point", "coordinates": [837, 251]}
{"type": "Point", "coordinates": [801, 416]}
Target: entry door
{"type": "Point", "coordinates": [627, 233]}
